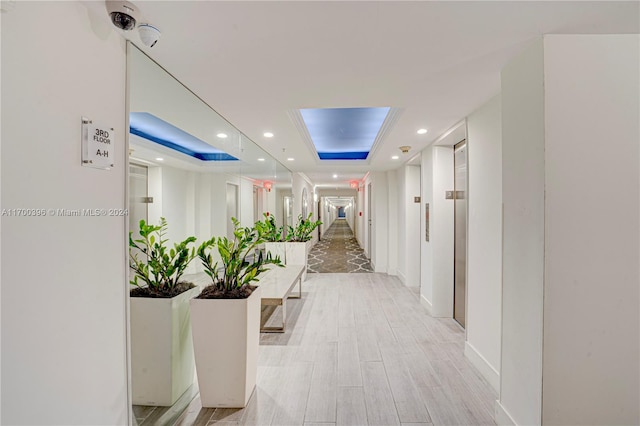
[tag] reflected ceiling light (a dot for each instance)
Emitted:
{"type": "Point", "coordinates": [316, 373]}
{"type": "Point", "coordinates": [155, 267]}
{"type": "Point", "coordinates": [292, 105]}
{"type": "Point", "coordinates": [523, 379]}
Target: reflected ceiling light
{"type": "Point", "coordinates": [268, 134]}
{"type": "Point", "coordinates": [290, 159]}
{"type": "Point", "coordinates": [395, 157]}
{"type": "Point", "coordinates": [422, 131]}
{"type": "Point", "coordinates": [158, 131]}
{"type": "Point", "coordinates": [260, 159]}
{"type": "Point", "coordinates": [222, 135]}
{"type": "Point", "coordinates": [159, 159]}
{"type": "Point", "coordinates": [335, 176]}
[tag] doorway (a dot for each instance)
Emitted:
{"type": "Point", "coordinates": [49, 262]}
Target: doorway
{"type": "Point", "coordinates": [232, 208]}
{"type": "Point", "coordinates": [138, 202]}
{"type": "Point", "coordinates": [258, 204]}
{"type": "Point", "coordinates": [460, 232]}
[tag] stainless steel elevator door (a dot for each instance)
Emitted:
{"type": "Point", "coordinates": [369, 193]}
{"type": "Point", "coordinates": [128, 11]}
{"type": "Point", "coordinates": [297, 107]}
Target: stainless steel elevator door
{"type": "Point", "coordinates": [460, 230]}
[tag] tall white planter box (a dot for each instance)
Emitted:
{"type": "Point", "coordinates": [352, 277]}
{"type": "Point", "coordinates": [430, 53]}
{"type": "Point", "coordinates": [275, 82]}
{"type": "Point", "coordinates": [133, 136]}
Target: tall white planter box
{"type": "Point", "coordinates": [296, 254]}
{"type": "Point", "coordinates": [226, 337]}
{"type": "Point", "coordinates": [276, 249]}
{"type": "Point", "coordinates": [162, 364]}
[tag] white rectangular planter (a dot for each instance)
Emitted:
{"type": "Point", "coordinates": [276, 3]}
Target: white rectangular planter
{"type": "Point", "coordinates": [296, 254]}
{"type": "Point", "coordinates": [162, 364]}
{"type": "Point", "coordinates": [276, 249]}
{"type": "Point", "coordinates": [226, 338]}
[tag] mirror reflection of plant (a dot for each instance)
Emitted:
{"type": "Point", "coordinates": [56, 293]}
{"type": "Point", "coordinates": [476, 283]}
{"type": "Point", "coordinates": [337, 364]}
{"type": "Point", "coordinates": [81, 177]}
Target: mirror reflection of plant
{"type": "Point", "coordinates": [158, 273]}
{"type": "Point", "coordinates": [303, 229]}
{"type": "Point", "coordinates": [268, 228]}
{"type": "Point", "coordinates": [239, 268]}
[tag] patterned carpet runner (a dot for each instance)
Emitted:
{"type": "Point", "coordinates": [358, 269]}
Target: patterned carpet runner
{"type": "Point", "coordinates": [338, 252]}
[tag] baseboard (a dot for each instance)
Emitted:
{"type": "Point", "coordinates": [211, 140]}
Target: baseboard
{"type": "Point", "coordinates": [502, 417]}
{"type": "Point", "coordinates": [424, 302]}
{"type": "Point", "coordinates": [393, 272]}
{"type": "Point", "coordinates": [482, 365]}
{"type": "Point", "coordinates": [403, 278]}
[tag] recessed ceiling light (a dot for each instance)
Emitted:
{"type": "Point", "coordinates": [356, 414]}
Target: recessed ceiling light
{"type": "Point", "coordinates": [159, 159]}
{"type": "Point", "coordinates": [422, 131]}
{"type": "Point", "coordinates": [260, 159]}
{"type": "Point", "coordinates": [290, 159]}
{"type": "Point", "coordinates": [221, 135]}
{"type": "Point", "coordinates": [335, 176]}
{"type": "Point", "coordinates": [268, 134]}
{"type": "Point", "coordinates": [395, 157]}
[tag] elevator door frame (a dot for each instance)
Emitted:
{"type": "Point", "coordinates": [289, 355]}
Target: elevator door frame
{"type": "Point", "coordinates": [457, 270]}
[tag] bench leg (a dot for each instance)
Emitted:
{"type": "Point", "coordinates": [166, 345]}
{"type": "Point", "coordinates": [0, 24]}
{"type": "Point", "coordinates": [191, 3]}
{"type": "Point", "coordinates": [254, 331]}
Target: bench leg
{"type": "Point", "coordinates": [270, 329]}
{"type": "Point", "coordinates": [299, 296]}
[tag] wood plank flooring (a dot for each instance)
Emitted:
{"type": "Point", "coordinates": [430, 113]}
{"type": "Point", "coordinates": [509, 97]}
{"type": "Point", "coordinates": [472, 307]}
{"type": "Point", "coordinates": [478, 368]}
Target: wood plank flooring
{"type": "Point", "coordinates": [360, 350]}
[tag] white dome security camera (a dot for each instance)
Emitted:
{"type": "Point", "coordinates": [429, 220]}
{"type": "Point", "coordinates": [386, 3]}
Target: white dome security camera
{"type": "Point", "coordinates": [124, 14]}
{"type": "Point", "coordinates": [149, 35]}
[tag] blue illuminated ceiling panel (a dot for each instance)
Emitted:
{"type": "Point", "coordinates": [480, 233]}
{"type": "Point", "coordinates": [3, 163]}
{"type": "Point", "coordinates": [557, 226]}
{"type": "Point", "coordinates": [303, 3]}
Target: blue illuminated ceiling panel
{"type": "Point", "coordinates": [344, 133]}
{"type": "Point", "coordinates": [152, 128]}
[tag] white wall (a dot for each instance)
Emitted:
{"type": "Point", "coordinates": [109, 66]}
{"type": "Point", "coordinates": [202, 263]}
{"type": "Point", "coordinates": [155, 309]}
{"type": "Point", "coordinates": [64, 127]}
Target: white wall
{"type": "Point", "coordinates": [176, 210]}
{"type": "Point", "coordinates": [379, 221]}
{"type": "Point", "coordinates": [245, 189]}
{"type": "Point", "coordinates": [392, 222]}
{"type": "Point", "coordinates": [591, 324]}
{"type": "Point", "coordinates": [271, 204]}
{"type": "Point", "coordinates": [523, 236]}
{"type": "Point", "coordinates": [426, 247]}
{"type": "Point", "coordinates": [437, 253]}
{"type": "Point", "coordinates": [402, 226]}
{"type": "Point", "coordinates": [408, 227]}
{"type": "Point", "coordinates": [484, 240]}
{"type": "Point", "coordinates": [63, 278]}
{"type": "Point", "coordinates": [413, 222]}
{"type": "Point", "coordinates": [350, 212]}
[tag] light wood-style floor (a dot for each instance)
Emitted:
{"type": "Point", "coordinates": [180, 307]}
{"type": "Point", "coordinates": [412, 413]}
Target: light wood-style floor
{"type": "Point", "coordinates": [360, 350]}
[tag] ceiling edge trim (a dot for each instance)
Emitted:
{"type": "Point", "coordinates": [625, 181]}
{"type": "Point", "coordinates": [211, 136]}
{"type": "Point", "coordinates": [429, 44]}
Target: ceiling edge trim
{"type": "Point", "coordinates": [298, 122]}
{"type": "Point", "coordinates": [387, 125]}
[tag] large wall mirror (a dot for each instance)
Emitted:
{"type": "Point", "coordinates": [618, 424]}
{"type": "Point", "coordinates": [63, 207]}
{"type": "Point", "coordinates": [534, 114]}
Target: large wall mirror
{"type": "Point", "coordinates": [196, 170]}
{"type": "Point", "coordinates": [305, 203]}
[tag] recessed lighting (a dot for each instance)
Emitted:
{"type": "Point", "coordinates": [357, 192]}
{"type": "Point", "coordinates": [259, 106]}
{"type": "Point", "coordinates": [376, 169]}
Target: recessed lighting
{"type": "Point", "coordinates": [260, 159]}
{"type": "Point", "coordinates": [290, 159]}
{"type": "Point", "coordinates": [395, 157]}
{"type": "Point", "coordinates": [159, 159]}
{"type": "Point", "coordinates": [335, 176]}
{"type": "Point", "coordinates": [422, 131]}
{"type": "Point", "coordinates": [268, 134]}
{"type": "Point", "coordinates": [221, 135]}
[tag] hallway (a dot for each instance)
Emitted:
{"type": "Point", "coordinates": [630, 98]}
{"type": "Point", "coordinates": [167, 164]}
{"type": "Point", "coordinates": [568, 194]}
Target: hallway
{"type": "Point", "coordinates": [360, 350]}
{"type": "Point", "coordinates": [338, 251]}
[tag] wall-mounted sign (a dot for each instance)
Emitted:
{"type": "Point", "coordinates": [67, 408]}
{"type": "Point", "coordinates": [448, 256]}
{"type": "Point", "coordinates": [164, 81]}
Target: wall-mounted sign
{"type": "Point", "coordinates": [98, 145]}
{"type": "Point", "coordinates": [416, 199]}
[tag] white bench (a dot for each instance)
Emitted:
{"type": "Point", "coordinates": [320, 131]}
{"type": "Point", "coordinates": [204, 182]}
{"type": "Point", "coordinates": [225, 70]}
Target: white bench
{"type": "Point", "coordinates": [277, 286]}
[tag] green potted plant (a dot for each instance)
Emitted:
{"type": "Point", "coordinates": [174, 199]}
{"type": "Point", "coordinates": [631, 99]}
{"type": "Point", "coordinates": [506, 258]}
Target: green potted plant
{"type": "Point", "coordinates": [225, 317]}
{"type": "Point", "coordinates": [298, 242]}
{"type": "Point", "coordinates": [273, 237]}
{"type": "Point", "coordinates": [162, 364]}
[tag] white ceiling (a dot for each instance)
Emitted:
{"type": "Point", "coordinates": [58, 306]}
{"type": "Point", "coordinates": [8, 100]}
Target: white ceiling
{"type": "Point", "coordinates": [257, 62]}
